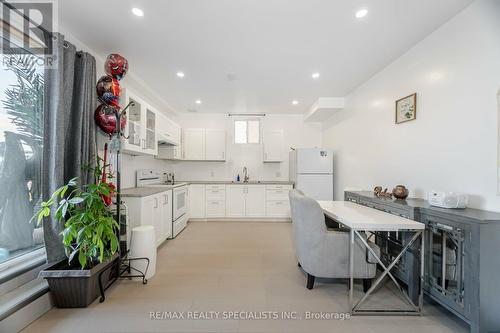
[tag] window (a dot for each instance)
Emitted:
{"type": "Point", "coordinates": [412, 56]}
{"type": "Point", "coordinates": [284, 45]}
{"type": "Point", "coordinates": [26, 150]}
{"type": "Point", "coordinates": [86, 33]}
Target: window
{"type": "Point", "coordinates": [21, 149]}
{"type": "Point", "coordinates": [247, 131]}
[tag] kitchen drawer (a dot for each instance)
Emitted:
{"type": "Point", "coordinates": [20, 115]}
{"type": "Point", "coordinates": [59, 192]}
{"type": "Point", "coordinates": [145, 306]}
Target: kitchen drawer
{"type": "Point", "coordinates": [279, 187]}
{"type": "Point", "coordinates": [278, 208]}
{"type": "Point", "coordinates": [277, 193]}
{"type": "Point", "coordinates": [215, 188]}
{"type": "Point", "coordinates": [216, 208]}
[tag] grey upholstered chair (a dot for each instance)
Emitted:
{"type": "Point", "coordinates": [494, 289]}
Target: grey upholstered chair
{"type": "Point", "coordinates": [324, 252]}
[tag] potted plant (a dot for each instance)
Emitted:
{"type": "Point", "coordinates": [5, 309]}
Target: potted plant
{"type": "Point", "coordinates": [89, 237]}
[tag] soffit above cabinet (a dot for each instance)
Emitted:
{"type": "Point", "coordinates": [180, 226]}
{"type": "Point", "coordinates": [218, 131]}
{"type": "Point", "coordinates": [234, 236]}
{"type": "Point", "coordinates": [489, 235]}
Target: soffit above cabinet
{"type": "Point", "coordinates": [324, 108]}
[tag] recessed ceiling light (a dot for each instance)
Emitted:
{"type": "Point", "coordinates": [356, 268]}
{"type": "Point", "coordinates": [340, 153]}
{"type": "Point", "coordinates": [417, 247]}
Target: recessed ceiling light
{"type": "Point", "coordinates": [315, 75]}
{"type": "Point", "coordinates": [137, 12]}
{"type": "Point", "coordinates": [361, 13]}
{"type": "Point", "coordinates": [295, 102]}
{"type": "Point", "coordinates": [198, 101]}
{"type": "Point", "coordinates": [180, 74]}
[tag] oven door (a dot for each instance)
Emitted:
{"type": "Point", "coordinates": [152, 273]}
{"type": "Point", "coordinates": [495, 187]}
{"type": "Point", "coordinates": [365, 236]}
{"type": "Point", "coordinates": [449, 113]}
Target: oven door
{"type": "Point", "coordinates": [180, 202]}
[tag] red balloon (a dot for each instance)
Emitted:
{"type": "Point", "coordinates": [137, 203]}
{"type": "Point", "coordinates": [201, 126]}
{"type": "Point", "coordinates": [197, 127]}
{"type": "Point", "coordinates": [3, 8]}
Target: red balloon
{"type": "Point", "coordinates": [105, 118]}
{"type": "Point", "coordinates": [116, 66]}
{"type": "Point", "coordinates": [108, 90]}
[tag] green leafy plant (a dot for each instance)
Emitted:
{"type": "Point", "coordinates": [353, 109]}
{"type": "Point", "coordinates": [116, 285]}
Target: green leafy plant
{"type": "Point", "coordinates": [89, 226]}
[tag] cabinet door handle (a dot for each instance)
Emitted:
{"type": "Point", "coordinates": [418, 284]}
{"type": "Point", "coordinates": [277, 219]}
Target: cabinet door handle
{"type": "Point", "coordinates": [156, 203]}
{"type": "Point", "coordinates": [223, 155]}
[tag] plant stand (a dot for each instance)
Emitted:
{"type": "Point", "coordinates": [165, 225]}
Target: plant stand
{"type": "Point", "coordinates": [122, 271]}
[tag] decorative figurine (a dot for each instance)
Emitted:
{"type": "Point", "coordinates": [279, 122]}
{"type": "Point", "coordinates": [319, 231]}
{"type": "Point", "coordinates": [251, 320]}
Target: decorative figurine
{"type": "Point", "coordinates": [400, 192]}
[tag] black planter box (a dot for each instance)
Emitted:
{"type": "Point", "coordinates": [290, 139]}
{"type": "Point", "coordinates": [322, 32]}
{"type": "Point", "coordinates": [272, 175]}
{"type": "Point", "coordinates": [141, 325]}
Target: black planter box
{"type": "Point", "coordinates": [76, 288]}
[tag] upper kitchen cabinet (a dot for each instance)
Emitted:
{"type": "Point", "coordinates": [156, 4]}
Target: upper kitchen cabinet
{"type": "Point", "coordinates": [201, 144]}
{"type": "Point", "coordinates": [273, 146]}
{"type": "Point", "coordinates": [140, 130]}
{"type": "Point", "coordinates": [194, 144]}
{"type": "Point", "coordinates": [215, 145]}
{"type": "Point", "coordinates": [169, 133]}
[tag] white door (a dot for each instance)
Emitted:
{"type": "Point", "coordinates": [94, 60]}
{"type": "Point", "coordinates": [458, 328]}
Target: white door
{"type": "Point", "coordinates": [196, 194]}
{"type": "Point", "coordinates": [235, 200]}
{"type": "Point", "coordinates": [255, 204]}
{"type": "Point", "coordinates": [215, 145]}
{"type": "Point", "coordinates": [134, 130]}
{"type": "Point", "coordinates": [148, 206]}
{"type": "Point", "coordinates": [150, 140]}
{"type": "Point", "coordinates": [319, 187]}
{"type": "Point", "coordinates": [273, 146]}
{"type": "Point", "coordinates": [166, 201]}
{"type": "Point", "coordinates": [314, 160]}
{"type": "Point", "coordinates": [158, 219]}
{"type": "Point", "coordinates": [194, 144]}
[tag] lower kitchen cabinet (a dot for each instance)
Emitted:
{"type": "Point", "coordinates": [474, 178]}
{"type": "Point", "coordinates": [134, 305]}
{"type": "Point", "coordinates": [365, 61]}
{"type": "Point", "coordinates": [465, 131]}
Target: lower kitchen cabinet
{"type": "Point", "coordinates": [155, 210]}
{"type": "Point", "coordinates": [215, 201]}
{"type": "Point", "coordinates": [255, 201]}
{"type": "Point", "coordinates": [235, 200]}
{"type": "Point", "coordinates": [277, 203]}
{"type": "Point", "coordinates": [196, 194]}
{"type": "Point", "coordinates": [278, 209]}
{"type": "Point", "coordinates": [239, 201]}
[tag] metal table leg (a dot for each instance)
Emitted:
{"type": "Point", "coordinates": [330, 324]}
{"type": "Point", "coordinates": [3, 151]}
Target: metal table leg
{"type": "Point", "coordinates": [387, 272]}
{"type": "Point", "coordinates": [351, 269]}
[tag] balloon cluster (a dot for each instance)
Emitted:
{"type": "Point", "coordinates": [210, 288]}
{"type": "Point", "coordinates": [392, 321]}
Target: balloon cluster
{"type": "Point", "coordinates": [108, 93]}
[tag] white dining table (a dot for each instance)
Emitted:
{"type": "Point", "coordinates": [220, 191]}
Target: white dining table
{"type": "Point", "coordinates": [362, 220]}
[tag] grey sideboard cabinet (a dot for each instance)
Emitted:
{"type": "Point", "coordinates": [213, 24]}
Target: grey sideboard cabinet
{"type": "Point", "coordinates": [462, 257]}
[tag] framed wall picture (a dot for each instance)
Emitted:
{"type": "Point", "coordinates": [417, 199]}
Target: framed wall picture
{"type": "Point", "coordinates": [406, 108]}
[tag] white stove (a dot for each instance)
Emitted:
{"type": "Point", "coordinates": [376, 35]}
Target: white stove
{"type": "Point", "coordinates": [155, 178]}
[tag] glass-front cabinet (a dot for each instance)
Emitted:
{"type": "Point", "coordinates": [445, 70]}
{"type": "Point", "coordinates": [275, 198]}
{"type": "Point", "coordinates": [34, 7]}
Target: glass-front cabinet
{"type": "Point", "coordinates": [140, 132]}
{"type": "Point", "coordinates": [446, 262]}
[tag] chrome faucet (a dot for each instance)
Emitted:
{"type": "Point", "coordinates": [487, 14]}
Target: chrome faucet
{"type": "Point", "coordinates": [245, 175]}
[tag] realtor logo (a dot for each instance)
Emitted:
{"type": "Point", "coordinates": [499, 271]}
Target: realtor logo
{"type": "Point", "coordinates": [27, 29]}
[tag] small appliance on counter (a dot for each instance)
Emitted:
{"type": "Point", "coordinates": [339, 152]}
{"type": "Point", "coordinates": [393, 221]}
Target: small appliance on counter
{"type": "Point", "coordinates": [448, 199]}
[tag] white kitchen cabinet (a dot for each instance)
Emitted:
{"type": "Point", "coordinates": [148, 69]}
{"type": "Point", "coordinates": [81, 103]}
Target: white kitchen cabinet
{"type": "Point", "coordinates": [245, 201]}
{"type": "Point", "coordinates": [277, 202]}
{"type": "Point", "coordinates": [215, 201]}
{"type": "Point", "coordinates": [169, 152]}
{"type": "Point", "coordinates": [235, 200]}
{"type": "Point", "coordinates": [215, 145]}
{"type": "Point", "coordinates": [255, 203]}
{"type": "Point", "coordinates": [169, 132]}
{"type": "Point", "coordinates": [273, 142]}
{"type": "Point", "coordinates": [194, 144]}
{"type": "Point", "coordinates": [140, 131]}
{"type": "Point", "coordinates": [154, 210]}
{"type": "Point", "coordinates": [196, 194]}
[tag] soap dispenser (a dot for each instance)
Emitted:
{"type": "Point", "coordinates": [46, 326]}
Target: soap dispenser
{"type": "Point", "coordinates": [238, 178]}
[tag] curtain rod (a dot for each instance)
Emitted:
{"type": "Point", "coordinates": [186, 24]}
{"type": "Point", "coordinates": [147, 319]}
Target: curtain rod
{"type": "Point", "coordinates": [246, 114]}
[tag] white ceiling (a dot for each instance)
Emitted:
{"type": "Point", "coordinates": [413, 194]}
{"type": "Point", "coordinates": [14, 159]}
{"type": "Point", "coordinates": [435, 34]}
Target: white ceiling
{"type": "Point", "coordinates": [271, 46]}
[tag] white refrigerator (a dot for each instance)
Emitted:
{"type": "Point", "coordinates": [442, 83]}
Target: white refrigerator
{"type": "Point", "coordinates": [311, 169]}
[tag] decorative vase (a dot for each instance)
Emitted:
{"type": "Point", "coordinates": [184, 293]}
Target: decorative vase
{"type": "Point", "coordinates": [400, 192]}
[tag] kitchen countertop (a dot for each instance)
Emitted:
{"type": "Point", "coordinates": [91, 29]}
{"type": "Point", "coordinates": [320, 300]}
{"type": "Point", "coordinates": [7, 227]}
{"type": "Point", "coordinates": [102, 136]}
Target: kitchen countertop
{"type": "Point", "coordinates": [229, 182]}
{"type": "Point", "coordinates": [139, 192]}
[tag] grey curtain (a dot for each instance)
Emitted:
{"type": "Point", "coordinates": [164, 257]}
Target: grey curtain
{"type": "Point", "coordinates": [69, 131]}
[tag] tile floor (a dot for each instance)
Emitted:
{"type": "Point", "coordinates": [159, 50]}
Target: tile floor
{"type": "Point", "coordinates": [234, 268]}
